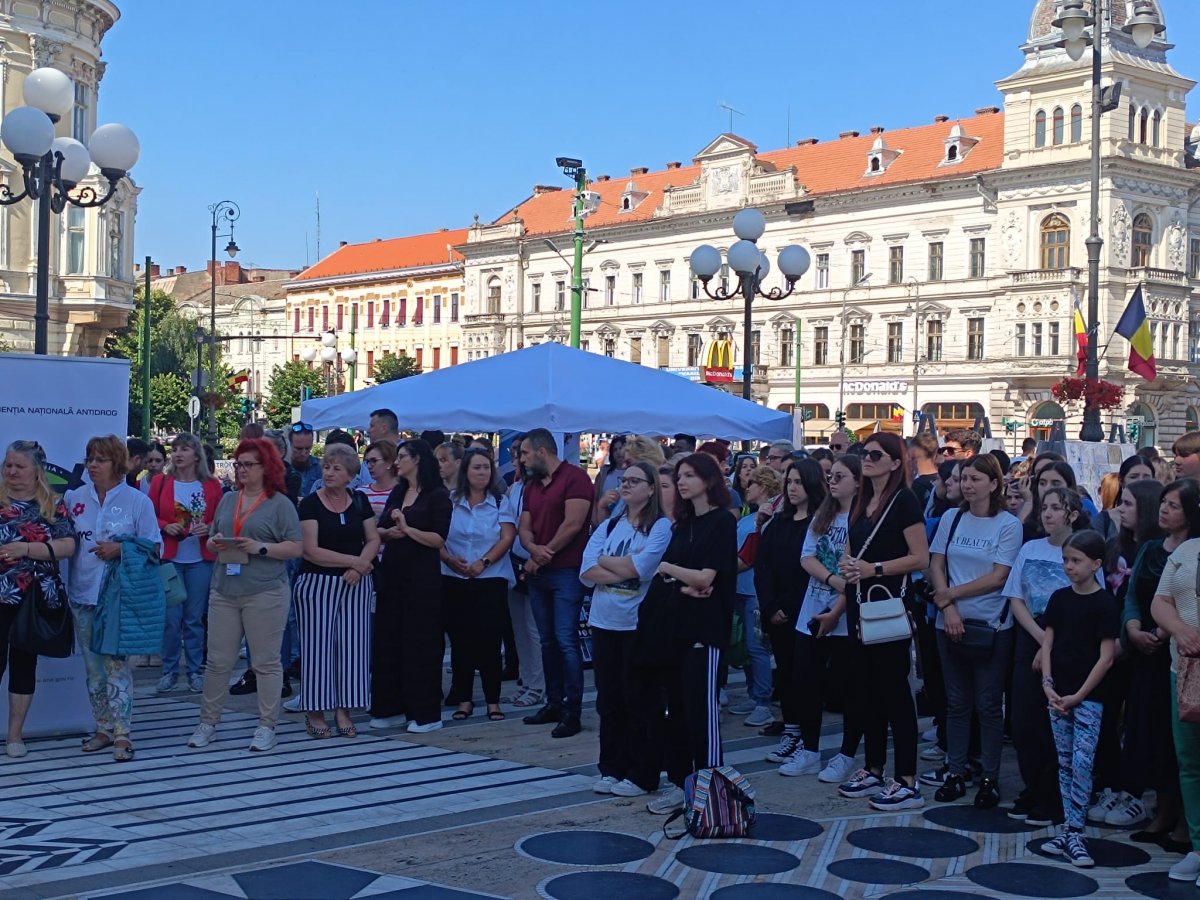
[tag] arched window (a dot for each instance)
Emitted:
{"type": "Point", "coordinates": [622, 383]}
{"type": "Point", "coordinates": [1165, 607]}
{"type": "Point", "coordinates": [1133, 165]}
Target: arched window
{"type": "Point", "coordinates": [1155, 125]}
{"type": "Point", "coordinates": [1148, 428]}
{"type": "Point", "coordinates": [1132, 121]}
{"type": "Point", "coordinates": [952, 152]}
{"type": "Point", "coordinates": [1039, 129]}
{"type": "Point", "coordinates": [1056, 242]}
{"type": "Point", "coordinates": [493, 296]}
{"type": "Point", "coordinates": [1143, 239]}
{"type": "Point", "coordinates": [1058, 125]}
{"type": "Point", "coordinates": [874, 163]}
{"type": "Point", "coordinates": [1042, 419]}
{"type": "Point", "coordinates": [1143, 126]}
{"type": "Point", "coordinates": [1193, 418]}
{"type": "Point", "coordinates": [1076, 123]}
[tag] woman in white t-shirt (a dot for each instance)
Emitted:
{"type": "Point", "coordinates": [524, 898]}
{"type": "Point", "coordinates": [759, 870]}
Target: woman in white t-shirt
{"type": "Point", "coordinates": [971, 556]}
{"type": "Point", "coordinates": [618, 563]}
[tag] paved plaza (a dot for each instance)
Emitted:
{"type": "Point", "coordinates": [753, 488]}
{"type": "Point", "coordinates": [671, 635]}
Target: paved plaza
{"type": "Point", "coordinates": [484, 809]}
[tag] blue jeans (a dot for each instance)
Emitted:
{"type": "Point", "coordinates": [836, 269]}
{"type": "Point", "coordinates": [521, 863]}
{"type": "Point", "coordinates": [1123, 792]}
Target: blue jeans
{"type": "Point", "coordinates": [556, 598]}
{"type": "Point", "coordinates": [758, 669]}
{"type": "Point", "coordinates": [184, 628]}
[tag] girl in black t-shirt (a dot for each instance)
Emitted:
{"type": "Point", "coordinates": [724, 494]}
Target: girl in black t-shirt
{"type": "Point", "coordinates": [887, 509]}
{"type": "Point", "coordinates": [1082, 622]}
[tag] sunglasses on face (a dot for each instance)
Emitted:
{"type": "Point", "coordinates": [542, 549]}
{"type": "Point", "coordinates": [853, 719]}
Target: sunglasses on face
{"type": "Point", "coordinates": [875, 455]}
{"type": "Point", "coordinates": [948, 451]}
{"type": "Point", "coordinates": [301, 427]}
{"type": "Point", "coordinates": [838, 477]}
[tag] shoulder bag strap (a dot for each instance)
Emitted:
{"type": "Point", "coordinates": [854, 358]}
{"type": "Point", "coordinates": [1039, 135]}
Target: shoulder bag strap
{"type": "Point", "coordinates": [950, 539]}
{"type": "Point", "coordinates": [871, 537]}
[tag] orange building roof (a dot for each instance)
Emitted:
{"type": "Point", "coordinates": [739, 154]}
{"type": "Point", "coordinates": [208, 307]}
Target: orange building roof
{"type": "Point", "coordinates": [385, 256]}
{"type": "Point", "coordinates": [824, 168]}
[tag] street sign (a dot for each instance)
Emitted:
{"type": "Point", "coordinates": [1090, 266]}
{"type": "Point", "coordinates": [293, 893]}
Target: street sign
{"type": "Point", "coordinates": [194, 407]}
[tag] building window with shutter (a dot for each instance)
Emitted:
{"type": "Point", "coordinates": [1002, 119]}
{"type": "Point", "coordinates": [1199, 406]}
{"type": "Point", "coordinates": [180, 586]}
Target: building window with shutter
{"type": "Point", "coordinates": [978, 257]}
{"type": "Point", "coordinates": [858, 266]}
{"type": "Point", "coordinates": [1036, 338]}
{"type": "Point", "coordinates": [1056, 242]}
{"type": "Point", "coordinates": [637, 287]}
{"type": "Point", "coordinates": [610, 290]}
{"type": "Point", "coordinates": [1019, 339]}
{"type": "Point", "coordinates": [1143, 240]}
{"type": "Point", "coordinates": [895, 342]}
{"type": "Point", "coordinates": [821, 345]}
{"type": "Point", "coordinates": [402, 313]}
{"type": "Point", "coordinates": [454, 307]}
{"type": "Point", "coordinates": [635, 350]}
{"type": "Point", "coordinates": [535, 299]}
{"type": "Point", "coordinates": [1053, 333]}
{"type": "Point", "coordinates": [975, 338]}
{"type": "Point", "coordinates": [437, 309]}
{"type": "Point", "coordinates": [858, 343]}
{"type": "Point", "coordinates": [664, 351]}
{"type": "Point", "coordinates": [664, 285]}
{"type": "Point", "coordinates": [560, 296]}
{"type": "Point", "coordinates": [297, 324]}
{"type": "Point", "coordinates": [895, 265]}
{"type": "Point", "coordinates": [693, 350]}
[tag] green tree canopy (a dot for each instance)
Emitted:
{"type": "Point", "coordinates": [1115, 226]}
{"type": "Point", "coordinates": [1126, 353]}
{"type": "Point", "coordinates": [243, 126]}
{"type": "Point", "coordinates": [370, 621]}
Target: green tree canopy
{"type": "Point", "coordinates": [283, 390]}
{"type": "Point", "coordinates": [393, 368]}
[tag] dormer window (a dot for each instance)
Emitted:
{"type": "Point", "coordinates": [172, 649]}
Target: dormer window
{"type": "Point", "coordinates": [631, 197]}
{"type": "Point", "coordinates": [880, 156]}
{"type": "Point", "coordinates": [958, 145]}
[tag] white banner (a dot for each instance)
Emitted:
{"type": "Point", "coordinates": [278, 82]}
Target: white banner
{"type": "Point", "coordinates": [60, 402]}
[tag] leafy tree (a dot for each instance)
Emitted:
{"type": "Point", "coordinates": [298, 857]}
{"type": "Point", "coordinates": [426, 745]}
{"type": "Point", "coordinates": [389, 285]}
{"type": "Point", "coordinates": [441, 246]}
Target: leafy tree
{"type": "Point", "coordinates": [393, 368]}
{"type": "Point", "coordinates": [169, 394]}
{"type": "Point", "coordinates": [283, 390]}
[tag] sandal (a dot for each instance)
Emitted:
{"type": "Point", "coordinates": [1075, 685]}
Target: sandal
{"type": "Point", "coordinates": [122, 749]}
{"type": "Point", "coordinates": [460, 713]}
{"type": "Point", "coordinates": [96, 742]}
{"type": "Point", "coordinates": [348, 731]}
{"type": "Point", "coordinates": [495, 715]}
{"type": "Point", "coordinates": [317, 731]}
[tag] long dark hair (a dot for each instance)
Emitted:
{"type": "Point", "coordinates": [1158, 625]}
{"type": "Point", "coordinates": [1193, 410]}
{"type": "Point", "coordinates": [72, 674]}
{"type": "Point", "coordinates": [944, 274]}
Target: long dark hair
{"type": "Point", "coordinates": [462, 487]}
{"type": "Point", "coordinates": [894, 447]}
{"type": "Point", "coordinates": [716, 489]}
{"type": "Point", "coordinates": [1072, 503]}
{"type": "Point", "coordinates": [1035, 508]}
{"type": "Point", "coordinates": [1147, 495]}
{"type": "Point", "coordinates": [427, 468]}
{"type": "Point", "coordinates": [1188, 490]}
{"type": "Point", "coordinates": [812, 479]}
{"type": "Point", "coordinates": [829, 506]}
{"type": "Point", "coordinates": [652, 511]}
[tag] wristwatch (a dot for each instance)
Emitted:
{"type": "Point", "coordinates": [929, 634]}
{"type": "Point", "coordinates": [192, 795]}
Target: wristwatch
{"type": "Point", "coordinates": [262, 550]}
{"type": "Point", "coordinates": [486, 562]}
{"type": "Point", "coordinates": [878, 570]}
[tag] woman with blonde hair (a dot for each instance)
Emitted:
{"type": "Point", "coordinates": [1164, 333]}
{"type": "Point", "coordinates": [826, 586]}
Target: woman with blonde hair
{"type": "Point", "coordinates": [31, 514]}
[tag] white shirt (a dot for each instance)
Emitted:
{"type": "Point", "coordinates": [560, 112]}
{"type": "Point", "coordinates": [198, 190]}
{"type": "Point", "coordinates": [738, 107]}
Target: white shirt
{"type": "Point", "coordinates": [125, 510]}
{"type": "Point", "coordinates": [474, 530]}
{"type": "Point", "coordinates": [615, 606]}
{"type": "Point", "coordinates": [980, 543]}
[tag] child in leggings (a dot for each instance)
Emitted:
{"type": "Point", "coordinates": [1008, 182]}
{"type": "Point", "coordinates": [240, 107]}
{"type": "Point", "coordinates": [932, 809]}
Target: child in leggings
{"type": "Point", "coordinates": [1082, 623]}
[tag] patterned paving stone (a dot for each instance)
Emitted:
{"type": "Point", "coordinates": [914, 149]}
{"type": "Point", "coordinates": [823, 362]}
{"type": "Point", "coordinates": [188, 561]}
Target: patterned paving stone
{"type": "Point", "coordinates": [586, 848]}
{"type": "Point", "coordinates": [1033, 880]}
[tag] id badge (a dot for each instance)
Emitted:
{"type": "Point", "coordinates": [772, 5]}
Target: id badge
{"type": "Point", "coordinates": [233, 569]}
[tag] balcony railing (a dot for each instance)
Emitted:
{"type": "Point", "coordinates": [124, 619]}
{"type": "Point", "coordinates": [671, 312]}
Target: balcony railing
{"type": "Point", "coordinates": [1046, 276]}
{"type": "Point", "coordinates": [1161, 276]}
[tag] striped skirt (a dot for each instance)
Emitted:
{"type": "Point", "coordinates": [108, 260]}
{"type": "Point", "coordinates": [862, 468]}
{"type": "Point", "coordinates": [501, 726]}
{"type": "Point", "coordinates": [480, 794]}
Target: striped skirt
{"type": "Point", "coordinates": [335, 641]}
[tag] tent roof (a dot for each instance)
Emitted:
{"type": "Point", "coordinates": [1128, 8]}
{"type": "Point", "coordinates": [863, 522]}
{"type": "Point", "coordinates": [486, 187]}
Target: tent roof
{"type": "Point", "coordinates": [555, 387]}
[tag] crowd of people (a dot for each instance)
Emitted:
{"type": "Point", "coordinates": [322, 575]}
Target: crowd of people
{"type": "Point", "coordinates": [1022, 607]}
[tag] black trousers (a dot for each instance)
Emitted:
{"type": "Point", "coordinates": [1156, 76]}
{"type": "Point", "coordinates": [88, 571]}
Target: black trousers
{"type": "Point", "coordinates": [22, 678]}
{"type": "Point", "coordinates": [1037, 759]}
{"type": "Point", "coordinates": [1106, 769]}
{"type": "Point", "coordinates": [406, 671]}
{"type": "Point", "coordinates": [647, 720]}
{"type": "Point", "coordinates": [783, 645]}
{"type": "Point", "coordinates": [1148, 753]}
{"type": "Point", "coordinates": [473, 611]}
{"type": "Point", "coordinates": [386, 654]}
{"type": "Point", "coordinates": [693, 729]}
{"type": "Point", "coordinates": [886, 702]}
{"type": "Point", "coordinates": [820, 662]}
{"type": "Point", "coordinates": [932, 675]}
{"type": "Point", "coordinates": [619, 693]}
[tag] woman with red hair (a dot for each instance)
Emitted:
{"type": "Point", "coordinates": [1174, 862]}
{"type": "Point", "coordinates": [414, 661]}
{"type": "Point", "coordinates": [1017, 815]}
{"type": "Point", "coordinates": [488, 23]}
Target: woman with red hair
{"type": "Point", "coordinates": [255, 531]}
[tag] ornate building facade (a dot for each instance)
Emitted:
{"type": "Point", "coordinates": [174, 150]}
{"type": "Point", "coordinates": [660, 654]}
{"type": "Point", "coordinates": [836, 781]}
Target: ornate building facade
{"type": "Point", "coordinates": [91, 261]}
{"type": "Point", "coordinates": [947, 257]}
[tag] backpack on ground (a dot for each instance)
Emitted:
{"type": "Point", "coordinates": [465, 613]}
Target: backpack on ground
{"type": "Point", "coordinates": [718, 803]}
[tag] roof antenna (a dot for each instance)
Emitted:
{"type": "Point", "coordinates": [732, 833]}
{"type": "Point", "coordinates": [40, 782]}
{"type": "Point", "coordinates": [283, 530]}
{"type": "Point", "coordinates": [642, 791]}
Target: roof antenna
{"type": "Point", "coordinates": [731, 110]}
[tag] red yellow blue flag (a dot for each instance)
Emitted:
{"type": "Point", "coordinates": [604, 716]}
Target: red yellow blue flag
{"type": "Point", "coordinates": [1135, 329]}
{"type": "Point", "coordinates": [1081, 340]}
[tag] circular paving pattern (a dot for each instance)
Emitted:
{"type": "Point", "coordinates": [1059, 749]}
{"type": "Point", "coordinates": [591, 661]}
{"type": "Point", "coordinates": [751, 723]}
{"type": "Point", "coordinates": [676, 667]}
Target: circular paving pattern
{"type": "Point", "coordinates": [737, 859]}
{"type": "Point", "coordinates": [1033, 880]}
{"type": "Point", "coordinates": [1107, 854]}
{"type": "Point", "coordinates": [585, 848]}
{"type": "Point", "coordinates": [932, 895]}
{"type": "Point", "coordinates": [968, 818]}
{"type": "Point", "coordinates": [878, 871]}
{"type": "Point", "coordinates": [771, 891]}
{"type": "Point", "coordinates": [1160, 887]}
{"type": "Point", "coordinates": [923, 843]}
{"type": "Point", "coordinates": [775, 827]}
{"type": "Point", "coordinates": [627, 885]}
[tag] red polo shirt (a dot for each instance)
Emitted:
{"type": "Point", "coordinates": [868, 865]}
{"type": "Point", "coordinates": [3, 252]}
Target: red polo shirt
{"type": "Point", "coordinates": [547, 508]}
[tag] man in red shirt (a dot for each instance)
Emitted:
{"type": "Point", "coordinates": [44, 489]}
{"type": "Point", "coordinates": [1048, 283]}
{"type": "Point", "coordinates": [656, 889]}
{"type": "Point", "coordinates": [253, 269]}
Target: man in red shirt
{"type": "Point", "coordinates": [556, 506]}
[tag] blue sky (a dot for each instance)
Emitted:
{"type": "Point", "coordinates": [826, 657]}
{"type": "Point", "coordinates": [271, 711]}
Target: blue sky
{"type": "Point", "coordinates": [411, 116]}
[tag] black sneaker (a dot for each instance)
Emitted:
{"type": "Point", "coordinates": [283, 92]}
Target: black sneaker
{"type": "Point", "coordinates": [952, 789]}
{"type": "Point", "coordinates": [937, 777]}
{"type": "Point", "coordinates": [547, 715]}
{"type": "Point", "coordinates": [1021, 808]}
{"type": "Point", "coordinates": [568, 726]}
{"type": "Point", "coordinates": [988, 796]}
{"type": "Point", "coordinates": [247, 684]}
{"type": "Point", "coordinates": [1077, 852]}
{"type": "Point", "coordinates": [1040, 818]}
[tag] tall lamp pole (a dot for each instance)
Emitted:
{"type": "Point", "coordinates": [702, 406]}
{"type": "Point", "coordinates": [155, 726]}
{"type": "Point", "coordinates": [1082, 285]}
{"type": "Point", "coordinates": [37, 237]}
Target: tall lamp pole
{"type": "Point", "coordinates": [841, 410]}
{"type": "Point", "coordinates": [573, 168]}
{"type": "Point", "coordinates": [752, 268]}
{"type": "Point", "coordinates": [1144, 25]}
{"type": "Point", "coordinates": [52, 168]}
{"type": "Point", "coordinates": [916, 410]}
{"type": "Point", "coordinates": [230, 212]}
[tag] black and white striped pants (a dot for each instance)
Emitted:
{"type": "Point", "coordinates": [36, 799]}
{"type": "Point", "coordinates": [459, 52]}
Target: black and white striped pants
{"type": "Point", "coordinates": [335, 641]}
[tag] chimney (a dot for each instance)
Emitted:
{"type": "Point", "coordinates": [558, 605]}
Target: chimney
{"type": "Point", "coordinates": [233, 272]}
{"type": "Point", "coordinates": [877, 129]}
{"type": "Point", "coordinates": [539, 189]}
{"type": "Point", "coordinates": [640, 170]}
{"type": "Point", "coordinates": [154, 270]}
{"type": "Point", "coordinates": [847, 134]}
{"type": "Point", "coordinates": [180, 270]}
{"type": "Point", "coordinates": [603, 177]}
{"type": "Point", "coordinates": [806, 142]}
{"type": "Point", "coordinates": [940, 119]}
{"type": "Point", "coordinates": [987, 110]}
{"type": "Point", "coordinates": [342, 243]}
{"type": "Point", "coordinates": [674, 165]}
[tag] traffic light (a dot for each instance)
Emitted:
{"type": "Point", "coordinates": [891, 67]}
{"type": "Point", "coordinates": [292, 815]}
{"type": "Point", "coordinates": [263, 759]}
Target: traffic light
{"type": "Point", "coordinates": [1132, 430]}
{"type": "Point", "coordinates": [245, 405]}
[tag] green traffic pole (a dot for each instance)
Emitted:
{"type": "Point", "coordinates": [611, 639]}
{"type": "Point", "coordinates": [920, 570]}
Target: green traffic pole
{"type": "Point", "coordinates": [577, 275]}
{"type": "Point", "coordinates": [353, 329]}
{"type": "Point", "coordinates": [145, 358]}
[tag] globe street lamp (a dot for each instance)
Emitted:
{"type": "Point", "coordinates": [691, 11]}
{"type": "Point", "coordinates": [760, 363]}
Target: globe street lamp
{"type": "Point", "coordinates": [52, 167]}
{"type": "Point", "coordinates": [229, 211]}
{"type": "Point", "coordinates": [329, 355]}
{"type": "Point", "coordinates": [1143, 26]}
{"type": "Point", "coordinates": [752, 268]}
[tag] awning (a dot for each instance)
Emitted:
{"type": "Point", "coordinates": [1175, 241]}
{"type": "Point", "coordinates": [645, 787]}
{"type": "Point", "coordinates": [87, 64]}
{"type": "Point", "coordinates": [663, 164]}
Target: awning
{"type": "Point", "coordinates": [824, 427]}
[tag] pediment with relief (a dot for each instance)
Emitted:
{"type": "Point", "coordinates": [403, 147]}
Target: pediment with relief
{"type": "Point", "coordinates": [725, 145]}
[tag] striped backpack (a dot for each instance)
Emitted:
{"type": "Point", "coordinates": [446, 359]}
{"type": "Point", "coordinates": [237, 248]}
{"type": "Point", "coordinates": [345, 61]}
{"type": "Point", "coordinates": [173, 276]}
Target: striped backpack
{"type": "Point", "coordinates": [718, 802]}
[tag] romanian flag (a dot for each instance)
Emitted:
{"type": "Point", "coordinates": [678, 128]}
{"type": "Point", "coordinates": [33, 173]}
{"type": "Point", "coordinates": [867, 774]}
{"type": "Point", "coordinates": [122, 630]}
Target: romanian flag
{"type": "Point", "coordinates": [238, 378]}
{"type": "Point", "coordinates": [1135, 329]}
{"type": "Point", "coordinates": [1081, 341]}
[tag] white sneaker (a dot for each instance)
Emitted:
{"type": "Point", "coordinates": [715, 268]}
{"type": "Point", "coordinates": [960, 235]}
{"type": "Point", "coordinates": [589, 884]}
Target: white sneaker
{"type": "Point", "coordinates": [1105, 803]}
{"type": "Point", "coordinates": [264, 738]}
{"type": "Point", "coordinates": [604, 784]}
{"type": "Point", "coordinates": [837, 770]}
{"type": "Point", "coordinates": [666, 802]}
{"type": "Point", "coordinates": [626, 788]}
{"type": "Point", "coordinates": [933, 753]}
{"type": "Point", "coordinates": [16, 749]}
{"type": "Point", "coordinates": [744, 708]}
{"type": "Point", "coordinates": [292, 704]}
{"type": "Point", "coordinates": [803, 762]}
{"type": "Point", "coordinates": [380, 722]}
{"type": "Point", "coordinates": [1128, 812]}
{"type": "Point", "coordinates": [930, 734]}
{"type": "Point", "coordinates": [761, 716]}
{"type": "Point", "coordinates": [202, 736]}
{"type": "Point", "coordinates": [414, 728]}
{"type": "Point", "coordinates": [1187, 869]}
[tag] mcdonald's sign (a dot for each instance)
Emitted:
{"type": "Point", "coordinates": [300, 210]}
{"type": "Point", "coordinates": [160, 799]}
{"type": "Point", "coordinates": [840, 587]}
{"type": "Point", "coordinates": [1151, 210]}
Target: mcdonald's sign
{"type": "Point", "coordinates": [718, 362]}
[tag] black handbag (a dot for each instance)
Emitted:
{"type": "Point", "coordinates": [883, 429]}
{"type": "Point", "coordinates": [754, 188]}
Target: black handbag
{"type": "Point", "coordinates": [38, 627]}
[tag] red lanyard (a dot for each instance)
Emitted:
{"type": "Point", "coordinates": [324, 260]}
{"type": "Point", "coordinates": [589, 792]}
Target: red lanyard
{"type": "Point", "coordinates": [238, 519]}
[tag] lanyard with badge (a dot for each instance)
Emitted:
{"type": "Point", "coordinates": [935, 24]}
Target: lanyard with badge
{"type": "Point", "coordinates": [233, 558]}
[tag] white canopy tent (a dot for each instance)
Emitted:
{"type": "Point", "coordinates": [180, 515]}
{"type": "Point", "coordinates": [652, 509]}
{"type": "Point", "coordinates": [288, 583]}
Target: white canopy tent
{"type": "Point", "coordinates": [555, 387]}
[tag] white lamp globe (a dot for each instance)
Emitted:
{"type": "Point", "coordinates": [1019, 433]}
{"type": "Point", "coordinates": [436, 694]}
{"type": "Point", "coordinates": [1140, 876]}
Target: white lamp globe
{"type": "Point", "coordinates": [793, 261]}
{"type": "Point", "coordinates": [1072, 28]}
{"type": "Point", "coordinates": [308, 354]}
{"type": "Point", "coordinates": [328, 339]}
{"type": "Point", "coordinates": [27, 132]}
{"type": "Point", "coordinates": [49, 90]}
{"type": "Point", "coordinates": [1075, 48]}
{"type": "Point", "coordinates": [764, 266]}
{"type": "Point", "coordinates": [744, 257]}
{"type": "Point", "coordinates": [1143, 34]}
{"type": "Point", "coordinates": [76, 159]}
{"type": "Point", "coordinates": [749, 224]}
{"type": "Point", "coordinates": [349, 355]}
{"type": "Point", "coordinates": [705, 261]}
{"type": "Point", "coordinates": [114, 147]}
{"type": "Point", "coordinates": [328, 354]}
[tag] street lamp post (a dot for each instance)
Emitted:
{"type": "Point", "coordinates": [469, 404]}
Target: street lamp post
{"type": "Point", "coordinates": [52, 167]}
{"type": "Point", "coordinates": [916, 410]}
{"type": "Point", "coordinates": [841, 411]}
{"type": "Point", "coordinates": [1144, 25]}
{"type": "Point", "coordinates": [230, 212]}
{"type": "Point", "coordinates": [329, 355]}
{"type": "Point", "coordinates": [752, 268]}
{"type": "Point", "coordinates": [573, 169]}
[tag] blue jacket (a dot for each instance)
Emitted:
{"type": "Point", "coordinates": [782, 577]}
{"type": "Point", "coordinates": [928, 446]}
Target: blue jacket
{"type": "Point", "coordinates": [131, 608]}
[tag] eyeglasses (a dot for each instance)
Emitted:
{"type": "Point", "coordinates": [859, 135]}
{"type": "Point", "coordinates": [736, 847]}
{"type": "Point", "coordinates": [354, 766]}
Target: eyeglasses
{"type": "Point", "coordinates": [630, 482]}
{"type": "Point", "coordinates": [874, 455]}
{"type": "Point", "coordinates": [245, 464]}
{"type": "Point", "coordinates": [776, 458]}
{"type": "Point", "coordinates": [372, 460]}
{"type": "Point", "coordinates": [97, 459]}
{"type": "Point", "coordinates": [298, 427]}
{"type": "Point", "coordinates": [836, 477]}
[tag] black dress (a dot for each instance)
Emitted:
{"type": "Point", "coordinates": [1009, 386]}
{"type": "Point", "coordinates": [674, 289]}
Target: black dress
{"type": "Point", "coordinates": [408, 645]}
